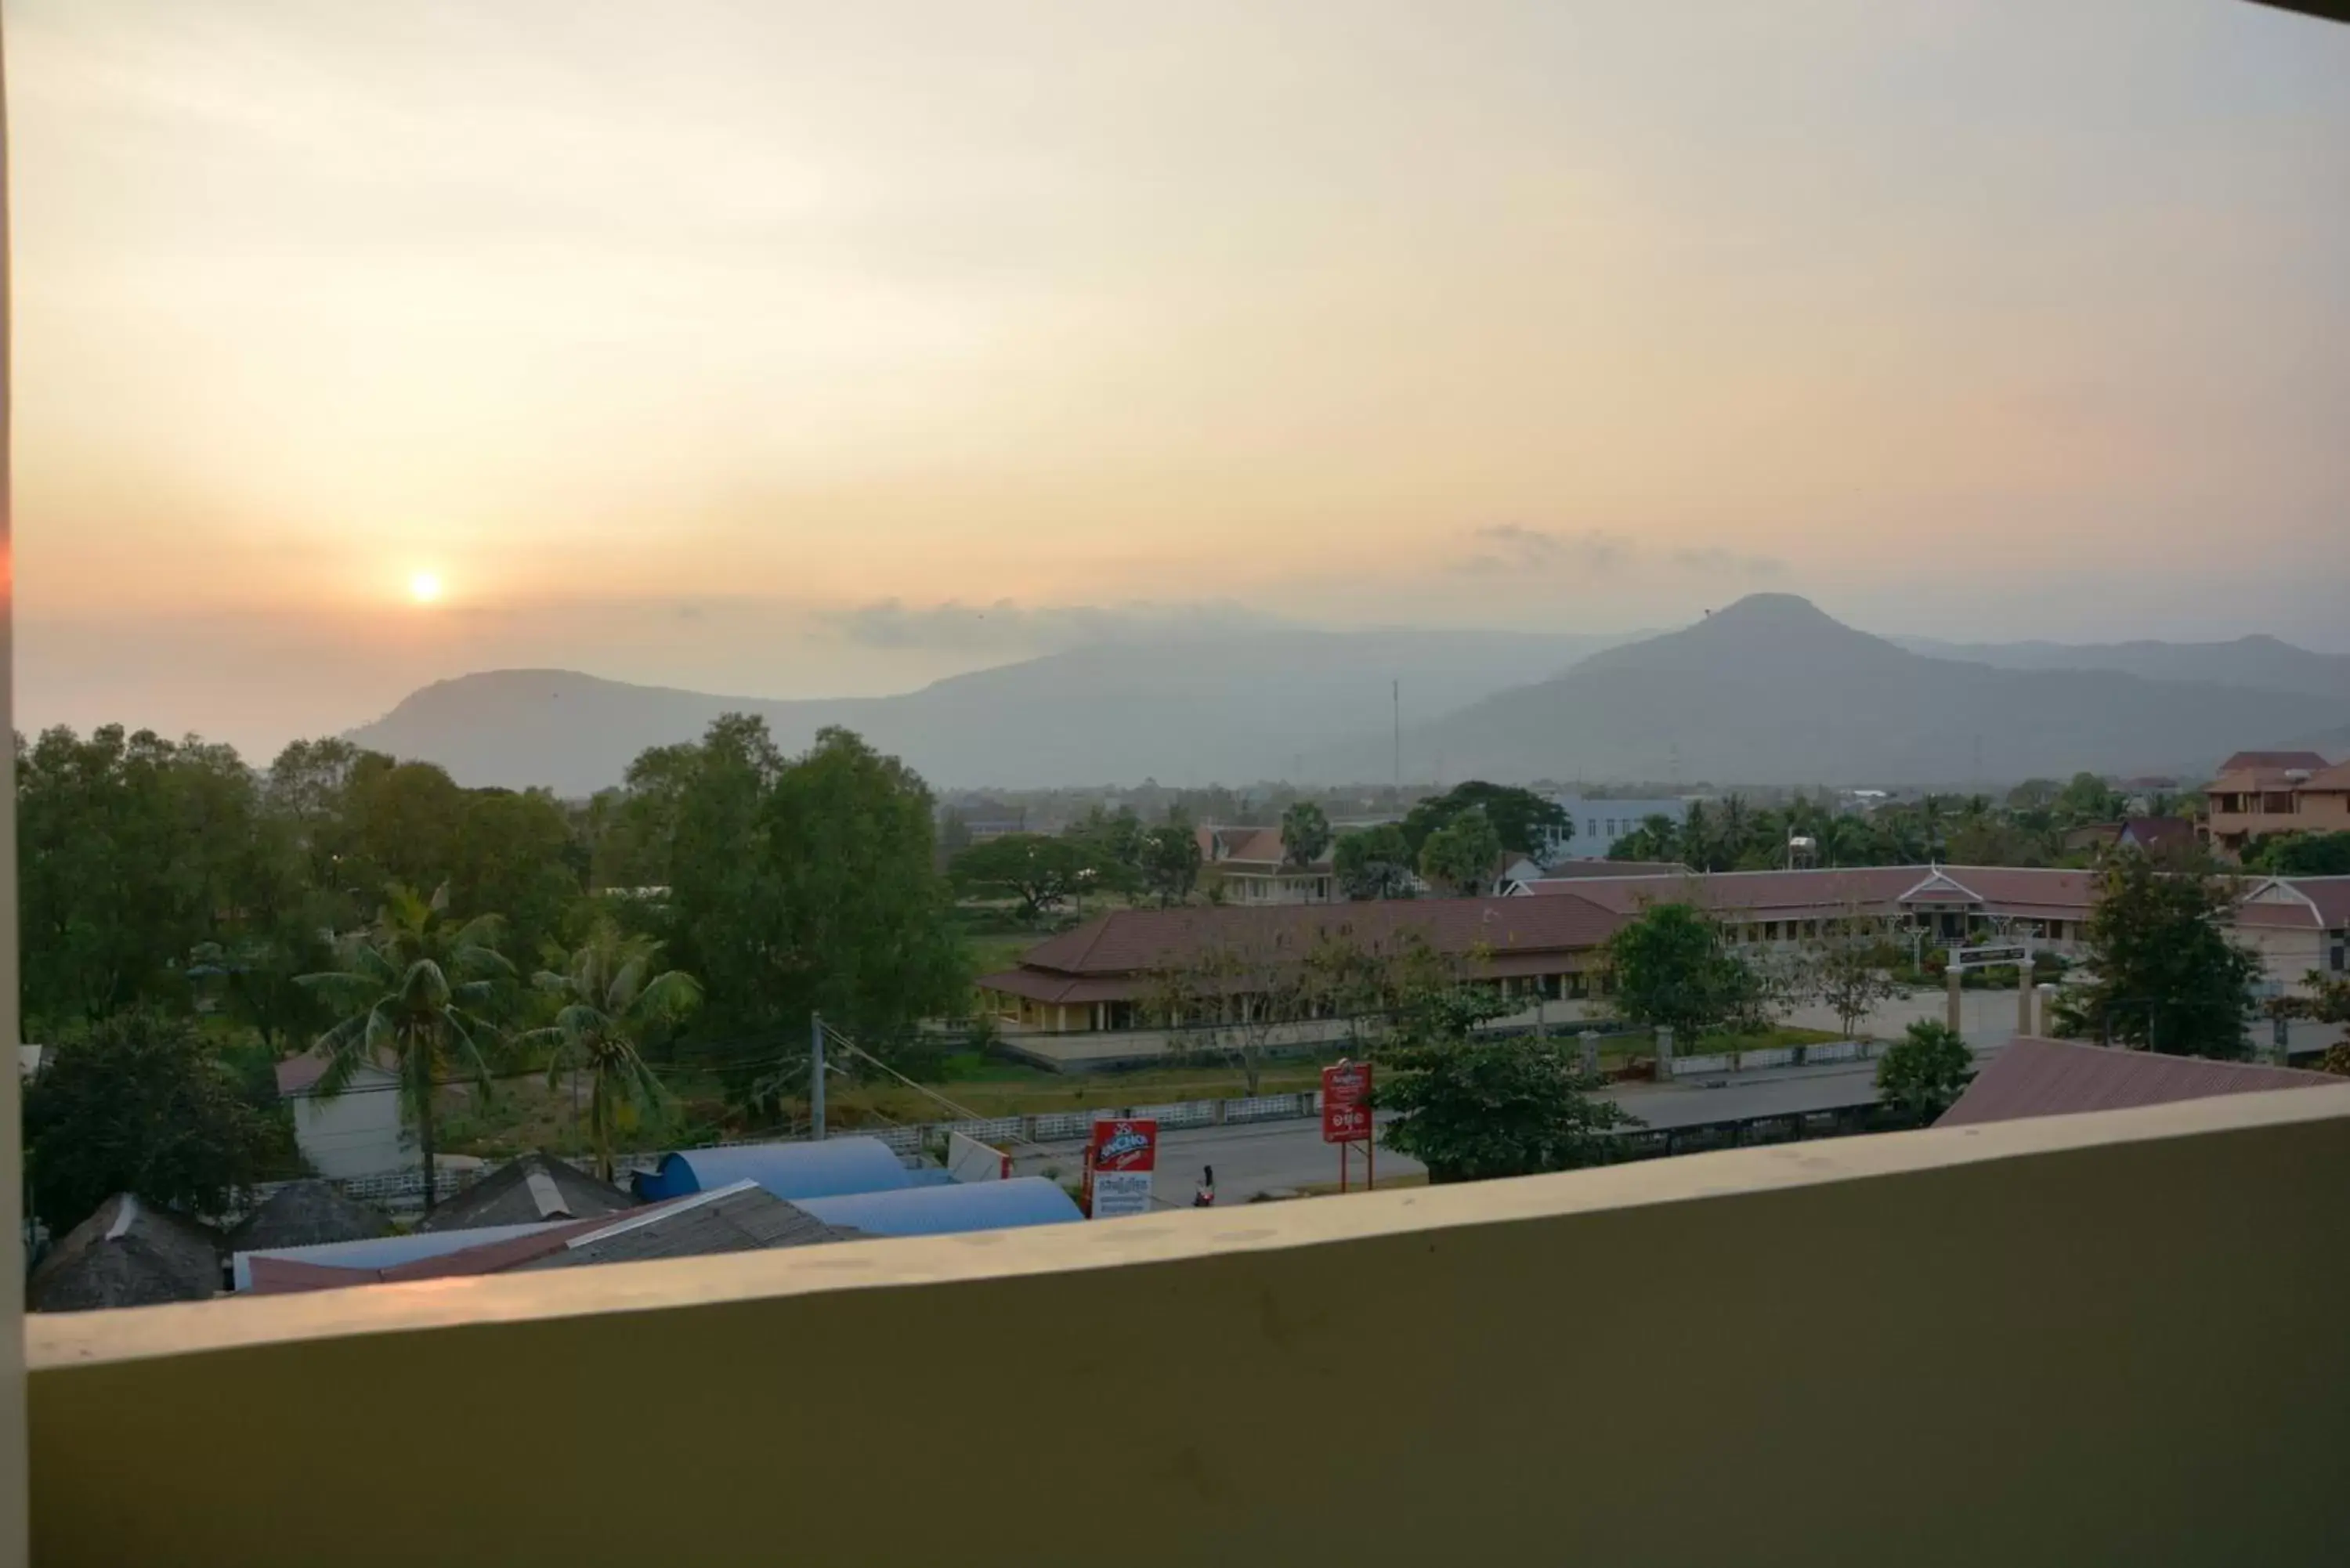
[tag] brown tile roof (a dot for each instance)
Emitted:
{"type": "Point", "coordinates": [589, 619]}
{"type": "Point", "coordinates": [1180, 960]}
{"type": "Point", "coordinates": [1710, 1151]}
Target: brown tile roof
{"type": "Point", "coordinates": [2275, 761]}
{"type": "Point", "coordinates": [1136, 941]}
{"type": "Point", "coordinates": [2035, 1077]}
{"type": "Point", "coordinates": [2336, 777]}
{"type": "Point", "coordinates": [2031, 892]}
{"type": "Point", "coordinates": [2330, 894]}
{"type": "Point", "coordinates": [1570, 870]}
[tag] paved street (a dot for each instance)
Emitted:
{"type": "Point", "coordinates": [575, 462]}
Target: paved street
{"type": "Point", "coordinates": [1251, 1159]}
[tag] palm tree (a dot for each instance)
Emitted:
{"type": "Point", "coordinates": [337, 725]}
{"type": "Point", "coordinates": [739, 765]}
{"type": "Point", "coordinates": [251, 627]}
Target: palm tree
{"type": "Point", "coordinates": [413, 989]}
{"type": "Point", "coordinates": [609, 999]}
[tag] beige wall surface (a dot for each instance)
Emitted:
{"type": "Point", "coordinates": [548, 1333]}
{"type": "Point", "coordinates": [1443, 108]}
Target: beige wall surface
{"type": "Point", "coordinates": [2101, 1339]}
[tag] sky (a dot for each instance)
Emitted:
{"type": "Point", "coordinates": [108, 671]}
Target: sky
{"type": "Point", "coordinates": [793, 350]}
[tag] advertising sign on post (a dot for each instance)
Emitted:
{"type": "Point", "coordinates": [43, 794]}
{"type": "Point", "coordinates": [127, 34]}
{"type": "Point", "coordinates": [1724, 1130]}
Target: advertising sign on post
{"type": "Point", "coordinates": [1345, 1117]}
{"type": "Point", "coordinates": [1120, 1160]}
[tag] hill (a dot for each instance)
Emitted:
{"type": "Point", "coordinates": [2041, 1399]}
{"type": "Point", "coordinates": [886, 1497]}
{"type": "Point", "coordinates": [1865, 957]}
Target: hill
{"type": "Point", "coordinates": [1232, 708]}
{"type": "Point", "coordinates": [1773, 691]}
{"type": "Point", "coordinates": [2262, 663]}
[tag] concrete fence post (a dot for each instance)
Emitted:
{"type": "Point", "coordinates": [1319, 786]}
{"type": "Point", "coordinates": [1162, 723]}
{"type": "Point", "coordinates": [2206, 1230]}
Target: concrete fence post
{"type": "Point", "coordinates": [1664, 1058]}
{"type": "Point", "coordinates": [1589, 1039]}
{"type": "Point", "coordinates": [1955, 1012]}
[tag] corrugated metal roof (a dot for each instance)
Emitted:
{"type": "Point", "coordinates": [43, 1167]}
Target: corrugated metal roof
{"type": "Point", "coordinates": [745, 1218]}
{"type": "Point", "coordinates": [791, 1171]}
{"type": "Point", "coordinates": [2035, 1077]}
{"type": "Point", "coordinates": [511, 1195]}
{"type": "Point", "coordinates": [949, 1210]}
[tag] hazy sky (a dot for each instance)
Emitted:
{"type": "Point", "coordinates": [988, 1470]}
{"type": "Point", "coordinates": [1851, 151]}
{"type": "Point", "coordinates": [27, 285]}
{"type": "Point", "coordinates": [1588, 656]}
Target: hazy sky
{"type": "Point", "coordinates": [793, 348]}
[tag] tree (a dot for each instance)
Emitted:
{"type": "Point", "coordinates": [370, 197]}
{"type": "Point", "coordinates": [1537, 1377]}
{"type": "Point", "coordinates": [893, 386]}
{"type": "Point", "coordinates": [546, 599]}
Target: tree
{"type": "Point", "coordinates": [1460, 855]}
{"type": "Point", "coordinates": [1111, 842]}
{"type": "Point", "coordinates": [414, 991]}
{"type": "Point", "coordinates": [141, 1102]}
{"type": "Point", "coordinates": [1304, 834]}
{"type": "Point", "coordinates": [1847, 969]}
{"type": "Point", "coordinates": [1472, 1110]}
{"type": "Point", "coordinates": [2165, 975]}
{"type": "Point", "coordinates": [1238, 993]}
{"type": "Point", "coordinates": [1673, 969]}
{"type": "Point", "coordinates": [805, 886]}
{"type": "Point", "coordinates": [1374, 863]}
{"type": "Point", "coordinates": [2087, 798]}
{"type": "Point", "coordinates": [2300, 855]}
{"type": "Point", "coordinates": [610, 1001]}
{"type": "Point", "coordinates": [510, 853]}
{"type": "Point", "coordinates": [1524, 821]}
{"type": "Point", "coordinates": [1039, 870]}
{"type": "Point", "coordinates": [1925, 1071]}
{"type": "Point", "coordinates": [1171, 861]}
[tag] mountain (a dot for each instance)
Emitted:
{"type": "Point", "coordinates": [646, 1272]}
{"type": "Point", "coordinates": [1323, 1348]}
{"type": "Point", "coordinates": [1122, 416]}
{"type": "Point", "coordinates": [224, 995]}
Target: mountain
{"type": "Point", "coordinates": [1233, 709]}
{"type": "Point", "coordinates": [2262, 663]}
{"type": "Point", "coordinates": [1772, 692]}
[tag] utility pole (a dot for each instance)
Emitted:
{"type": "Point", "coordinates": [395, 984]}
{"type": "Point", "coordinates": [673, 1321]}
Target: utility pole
{"type": "Point", "coordinates": [815, 1077]}
{"type": "Point", "coordinates": [1395, 702]}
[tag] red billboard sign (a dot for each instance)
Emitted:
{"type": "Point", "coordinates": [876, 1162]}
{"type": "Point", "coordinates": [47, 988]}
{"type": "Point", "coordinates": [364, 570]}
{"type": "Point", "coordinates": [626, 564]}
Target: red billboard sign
{"type": "Point", "coordinates": [1346, 1118]}
{"type": "Point", "coordinates": [1120, 1158]}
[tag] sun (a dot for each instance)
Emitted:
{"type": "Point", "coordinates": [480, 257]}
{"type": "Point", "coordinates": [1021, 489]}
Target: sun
{"type": "Point", "coordinates": [424, 588]}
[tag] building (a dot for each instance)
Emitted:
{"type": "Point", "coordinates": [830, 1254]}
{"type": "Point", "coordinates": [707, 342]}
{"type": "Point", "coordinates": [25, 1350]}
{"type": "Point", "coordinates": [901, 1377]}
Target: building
{"type": "Point", "coordinates": [1253, 865]}
{"type": "Point", "coordinates": [1599, 823]}
{"type": "Point", "coordinates": [128, 1253]}
{"type": "Point", "coordinates": [1103, 975]}
{"type": "Point", "coordinates": [2035, 1077]}
{"type": "Point", "coordinates": [2298, 925]}
{"type": "Point", "coordinates": [306, 1214]}
{"type": "Point", "coordinates": [2258, 793]}
{"type": "Point", "coordinates": [2158, 835]}
{"type": "Point", "coordinates": [537, 1187]}
{"type": "Point", "coordinates": [1945, 904]}
{"type": "Point", "coordinates": [357, 1132]}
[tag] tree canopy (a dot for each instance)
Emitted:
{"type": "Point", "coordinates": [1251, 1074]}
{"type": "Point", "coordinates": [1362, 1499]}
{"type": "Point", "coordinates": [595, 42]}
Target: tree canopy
{"type": "Point", "coordinates": [2165, 973]}
{"type": "Point", "coordinates": [1923, 1073]}
{"type": "Point", "coordinates": [141, 1102]}
{"type": "Point", "coordinates": [1673, 969]}
{"type": "Point", "coordinates": [1374, 863]}
{"type": "Point", "coordinates": [1521, 821]}
{"type": "Point", "coordinates": [1304, 832]}
{"type": "Point", "coordinates": [1459, 856]}
{"type": "Point", "coordinates": [1472, 1109]}
{"type": "Point", "coordinates": [2300, 855]}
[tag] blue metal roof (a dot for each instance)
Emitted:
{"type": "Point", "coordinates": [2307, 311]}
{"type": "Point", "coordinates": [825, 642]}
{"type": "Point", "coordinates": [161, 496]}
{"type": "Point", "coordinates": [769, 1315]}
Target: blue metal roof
{"type": "Point", "coordinates": [790, 1170]}
{"type": "Point", "coordinates": [948, 1210]}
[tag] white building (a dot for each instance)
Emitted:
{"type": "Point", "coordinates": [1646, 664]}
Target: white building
{"type": "Point", "coordinates": [357, 1133]}
{"type": "Point", "coordinates": [1599, 824]}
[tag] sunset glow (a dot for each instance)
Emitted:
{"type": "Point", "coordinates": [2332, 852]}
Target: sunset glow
{"type": "Point", "coordinates": [424, 588]}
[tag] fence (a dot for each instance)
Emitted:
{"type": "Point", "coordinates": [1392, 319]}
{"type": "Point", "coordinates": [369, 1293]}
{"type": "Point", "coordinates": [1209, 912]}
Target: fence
{"type": "Point", "coordinates": [1776, 1057]}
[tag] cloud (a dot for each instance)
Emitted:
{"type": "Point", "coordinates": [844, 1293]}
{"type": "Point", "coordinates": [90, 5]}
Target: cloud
{"type": "Point", "coordinates": [1006, 623]}
{"type": "Point", "coordinates": [1513, 547]}
{"type": "Point", "coordinates": [1713, 561]}
{"type": "Point", "coordinates": [1509, 549]}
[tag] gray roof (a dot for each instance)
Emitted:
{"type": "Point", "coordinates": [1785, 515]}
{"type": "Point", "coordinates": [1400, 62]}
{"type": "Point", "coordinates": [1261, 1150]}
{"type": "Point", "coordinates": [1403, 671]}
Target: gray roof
{"type": "Point", "coordinates": [538, 1187]}
{"type": "Point", "coordinates": [305, 1214]}
{"type": "Point", "coordinates": [744, 1217]}
{"type": "Point", "coordinates": [129, 1253]}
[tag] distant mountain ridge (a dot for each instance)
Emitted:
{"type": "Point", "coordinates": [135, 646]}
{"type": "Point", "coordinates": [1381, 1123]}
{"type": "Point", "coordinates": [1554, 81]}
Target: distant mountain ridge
{"type": "Point", "coordinates": [1769, 690]}
{"type": "Point", "coordinates": [1232, 708]}
{"type": "Point", "coordinates": [2263, 664]}
{"type": "Point", "coordinates": [1773, 691]}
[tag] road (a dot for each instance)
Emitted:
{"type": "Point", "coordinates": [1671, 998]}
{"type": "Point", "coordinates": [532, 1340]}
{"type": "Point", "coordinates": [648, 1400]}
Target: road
{"type": "Point", "coordinates": [1264, 1156]}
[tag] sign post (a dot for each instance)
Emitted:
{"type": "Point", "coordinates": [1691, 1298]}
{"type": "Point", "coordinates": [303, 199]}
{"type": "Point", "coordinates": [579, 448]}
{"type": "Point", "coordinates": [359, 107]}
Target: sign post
{"type": "Point", "coordinates": [1120, 1158]}
{"type": "Point", "coordinates": [1347, 1116]}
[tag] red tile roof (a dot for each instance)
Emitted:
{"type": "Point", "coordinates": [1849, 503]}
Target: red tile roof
{"type": "Point", "coordinates": [1135, 941]}
{"type": "Point", "coordinates": [2159, 832]}
{"type": "Point", "coordinates": [1571, 870]}
{"type": "Point", "coordinates": [2330, 894]}
{"type": "Point", "coordinates": [2035, 1077]}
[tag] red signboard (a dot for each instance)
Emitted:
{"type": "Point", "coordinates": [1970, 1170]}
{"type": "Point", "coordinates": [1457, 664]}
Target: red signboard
{"type": "Point", "coordinates": [1119, 1158]}
{"type": "Point", "coordinates": [1345, 1117]}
